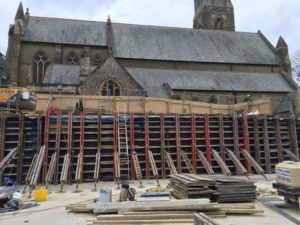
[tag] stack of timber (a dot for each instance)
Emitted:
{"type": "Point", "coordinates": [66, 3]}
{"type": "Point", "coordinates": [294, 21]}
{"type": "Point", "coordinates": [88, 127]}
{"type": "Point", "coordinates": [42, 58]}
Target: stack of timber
{"type": "Point", "coordinates": [191, 186]}
{"type": "Point", "coordinates": [163, 212]}
{"type": "Point", "coordinates": [232, 189]}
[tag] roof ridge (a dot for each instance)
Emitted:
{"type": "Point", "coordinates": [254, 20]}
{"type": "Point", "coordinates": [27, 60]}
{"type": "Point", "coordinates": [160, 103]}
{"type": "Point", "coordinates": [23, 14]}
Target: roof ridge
{"type": "Point", "coordinates": [145, 25]}
{"type": "Point", "coordinates": [58, 18]}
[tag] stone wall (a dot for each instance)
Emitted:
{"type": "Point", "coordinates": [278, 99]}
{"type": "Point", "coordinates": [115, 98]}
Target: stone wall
{"type": "Point", "coordinates": [55, 53]}
{"type": "Point", "coordinates": [110, 69]}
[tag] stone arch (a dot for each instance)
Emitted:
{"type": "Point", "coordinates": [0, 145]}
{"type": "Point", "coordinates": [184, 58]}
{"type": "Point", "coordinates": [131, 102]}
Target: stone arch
{"type": "Point", "coordinates": [39, 66]}
{"type": "Point", "coordinates": [110, 87]}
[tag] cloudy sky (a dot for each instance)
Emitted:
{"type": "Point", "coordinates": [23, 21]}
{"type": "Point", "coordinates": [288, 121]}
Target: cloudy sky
{"type": "Point", "coordinates": [272, 17]}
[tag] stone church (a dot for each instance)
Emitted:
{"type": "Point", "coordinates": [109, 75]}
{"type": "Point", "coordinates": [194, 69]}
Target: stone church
{"type": "Point", "coordinates": [202, 63]}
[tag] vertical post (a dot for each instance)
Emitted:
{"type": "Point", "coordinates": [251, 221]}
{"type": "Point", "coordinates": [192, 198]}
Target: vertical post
{"type": "Point", "coordinates": [246, 141]}
{"type": "Point", "coordinates": [115, 151]}
{"type": "Point", "coordinates": [207, 138]}
{"type": "Point", "coordinates": [99, 144]}
{"type": "Point", "coordinates": [293, 135]}
{"type": "Point", "coordinates": [99, 134]}
{"type": "Point", "coordinates": [57, 145]}
{"type": "Point", "coordinates": [194, 150]}
{"type": "Point", "coordinates": [132, 171]}
{"type": "Point", "coordinates": [20, 148]}
{"type": "Point", "coordinates": [278, 141]}
{"type": "Point", "coordinates": [69, 147]}
{"type": "Point", "coordinates": [39, 131]}
{"type": "Point", "coordinates": [236, 136]}
{"type": "Point", "coordinates": [266, 146]}
{"type": "Point", "coordinates": [46, 143]}
{"type": "Point", "coordinates": [147, 144]}
{"type": "Point", "coordinates": [256, 140]}
{"type": "Point", "coordinates": [2, 132]}
{"type": "Point", "coordinates": [222, 138]}
{"type": "Point", "coordinates": [162, 145]}
{"type": "Point", "coordinates": [82, 120]}
{"type": "Point", "coordinates": [178, 144]}
{"type": "Point", "coordinates": [2, 138]}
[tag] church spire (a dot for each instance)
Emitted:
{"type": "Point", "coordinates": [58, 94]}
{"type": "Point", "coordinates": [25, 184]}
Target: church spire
{"type": "Point", "coordinates": [20, 12]}
{"type": "Point", "coordinates": [214, 15]}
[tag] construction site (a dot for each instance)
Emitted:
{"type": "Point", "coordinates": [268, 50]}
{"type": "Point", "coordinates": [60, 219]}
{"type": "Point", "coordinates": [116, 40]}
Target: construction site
{"type": "Point", "coordinates": [176, 150]}
{"type": "Point", "coordinates": [105, 123]}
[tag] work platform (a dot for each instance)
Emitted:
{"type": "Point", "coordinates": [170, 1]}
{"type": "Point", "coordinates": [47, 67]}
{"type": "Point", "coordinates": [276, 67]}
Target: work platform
{"type": "Point", "coordinates": [268, 140]}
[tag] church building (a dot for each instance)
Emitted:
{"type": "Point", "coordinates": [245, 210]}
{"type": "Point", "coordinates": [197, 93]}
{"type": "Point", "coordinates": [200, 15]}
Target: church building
{"type": "Point", "coordinates": [211, 62]}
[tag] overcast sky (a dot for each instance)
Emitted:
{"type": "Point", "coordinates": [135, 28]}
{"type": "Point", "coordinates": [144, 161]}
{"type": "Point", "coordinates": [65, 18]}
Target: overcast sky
{"type": "Point", "coordinates": [272, 17]}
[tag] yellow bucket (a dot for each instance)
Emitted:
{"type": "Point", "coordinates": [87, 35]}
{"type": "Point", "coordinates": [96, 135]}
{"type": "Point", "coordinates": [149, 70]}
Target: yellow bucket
{"type": "Point", "coordinates": [40, 195]}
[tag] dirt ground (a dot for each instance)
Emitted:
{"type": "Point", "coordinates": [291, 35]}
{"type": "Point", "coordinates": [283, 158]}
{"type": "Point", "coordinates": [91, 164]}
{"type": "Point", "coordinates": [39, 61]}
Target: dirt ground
{"type": "Point", "coordinates": [52, 212]}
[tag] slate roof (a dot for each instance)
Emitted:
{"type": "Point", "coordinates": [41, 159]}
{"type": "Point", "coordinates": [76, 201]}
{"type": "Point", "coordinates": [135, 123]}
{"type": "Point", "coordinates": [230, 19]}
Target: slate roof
{"type": "Point", "coordinates": [65, 31]}
{"type": "Point", "coordinates": [152, 81]}
{"type": "Point", "coordinates": [156, 43]}
{"type": "Point", "coordinates": [57, 74]}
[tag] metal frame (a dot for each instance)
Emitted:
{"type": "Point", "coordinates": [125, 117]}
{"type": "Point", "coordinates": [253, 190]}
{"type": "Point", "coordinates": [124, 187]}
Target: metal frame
{"type": "Point", "coordinates": [193, 135]}
{"type": "Point", "coordinates": [115, 150]}
{"type": "Point", "coordinates": [132, 173]}
{"type": "Point", "coordinates": [57, 145]}
{"type": "Point", "coordinates": [46, 143]}
{"type": "Point", "coordinates": [266, 146]}
{"type": "Point", "coordinates": [222, 138]}
{"type": "Point", "coordinates": [207, 138]}
{"type": "Point", "coordinates": [246, 141]}
{"type": "Point", "coordinates": [69, 147]}
{"type": "Point", "coordinates": [20, 148]}
{"type": "Point", "coordinates": [178, 145]}
{"type": "Point", "coordinates": [162, 146]}
{"type": "Point", "coordinates": [278, 141]}
{"type": "Point", "coordinates": [147, 144]}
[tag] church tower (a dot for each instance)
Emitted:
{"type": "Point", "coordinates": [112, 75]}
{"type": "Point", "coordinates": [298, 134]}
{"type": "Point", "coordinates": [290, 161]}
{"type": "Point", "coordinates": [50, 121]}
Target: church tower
{"type": "Point", "coordinates": [214, 15]}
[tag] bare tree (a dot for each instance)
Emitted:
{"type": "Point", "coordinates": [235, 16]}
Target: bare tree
{"type": "Point", "coordinates": [296, 66]}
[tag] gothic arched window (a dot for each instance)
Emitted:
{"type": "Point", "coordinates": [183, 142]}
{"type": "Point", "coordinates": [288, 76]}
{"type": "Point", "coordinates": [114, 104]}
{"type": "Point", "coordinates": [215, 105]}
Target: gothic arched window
{"type": "Point", "coordinates": [72, 58]}
{"type": "Point", "coordinates": [219, 24]}
{"type": "Point", "coordinates": [110, 88]}
{"type": "Point", "coordinates": [40, 64]}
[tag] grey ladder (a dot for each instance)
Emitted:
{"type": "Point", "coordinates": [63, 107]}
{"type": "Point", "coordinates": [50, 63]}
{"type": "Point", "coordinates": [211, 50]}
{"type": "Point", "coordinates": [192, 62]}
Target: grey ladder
{"type": "Point", "coordinates": [137, 168]}
{"type": "Point", "coordinates": [187, 162]}
{"type": "Point", "coordinates": [205, 163]}
{"type": "Point", "coordinates": [170, 163]}
{"type": "Point", "coordinates": [123, 149]}
{"type": "Point", "coordinates": [7, 159]}
{"type": "Point", "coordinates": [221, 163]}
{"type": "Point", "coordinates": [253, 163]}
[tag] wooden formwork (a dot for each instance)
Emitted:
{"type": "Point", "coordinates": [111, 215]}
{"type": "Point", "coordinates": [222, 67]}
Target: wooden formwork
{"type": "Point", "coordinates": [148, 105]}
